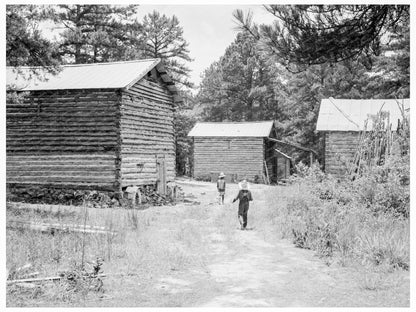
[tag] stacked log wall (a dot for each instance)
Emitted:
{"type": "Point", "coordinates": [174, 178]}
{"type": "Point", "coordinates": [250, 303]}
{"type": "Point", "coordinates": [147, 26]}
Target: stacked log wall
{"type": "Point", "coordinates": [242, 156]}
{"type": "Point", "coordinates": [63, 138]}
{"type": "Point", "coordinates": [340, 148]}
{"type": "Point", "coordinates": [146, 130]}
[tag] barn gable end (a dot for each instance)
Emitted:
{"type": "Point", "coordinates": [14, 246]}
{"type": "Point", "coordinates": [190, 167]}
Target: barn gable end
{"type": "Point", "coordinates": [147, 135]}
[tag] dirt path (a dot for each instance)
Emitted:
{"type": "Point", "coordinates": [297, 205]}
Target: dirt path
{"type": "Point", "coordinates": [239, 268]}
{"type": "Point", "coordinates": [244, 270]}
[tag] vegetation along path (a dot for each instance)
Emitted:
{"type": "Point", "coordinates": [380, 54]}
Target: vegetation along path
{"type": "Point", "coordinates": [195, 254]}
{"type": "Point", "coordinates": [253, 268]}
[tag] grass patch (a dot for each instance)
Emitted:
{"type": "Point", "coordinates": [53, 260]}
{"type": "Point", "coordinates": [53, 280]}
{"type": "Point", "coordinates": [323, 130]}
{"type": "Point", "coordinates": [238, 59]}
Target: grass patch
{"type": "Point", "coordinates": [149, 243]}
{"type": "Point", "coordinates": [327, 217]}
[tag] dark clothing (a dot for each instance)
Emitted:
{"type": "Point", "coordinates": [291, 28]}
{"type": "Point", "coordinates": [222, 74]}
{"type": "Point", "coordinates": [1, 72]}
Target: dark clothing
{"type": "Point", "coordinates": [243, 213]}
{"type": "Point", "coordinates": [244, 197]}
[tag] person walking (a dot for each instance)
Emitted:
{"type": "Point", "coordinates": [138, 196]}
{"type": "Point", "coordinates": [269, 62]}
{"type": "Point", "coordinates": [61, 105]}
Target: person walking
{"type": "Point", "coordinates": [221, 188]}
{"type": "Point", "coordinates": [244, 195]}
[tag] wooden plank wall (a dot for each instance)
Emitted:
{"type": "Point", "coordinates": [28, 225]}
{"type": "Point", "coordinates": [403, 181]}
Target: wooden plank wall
{"type": "Point", "coordinates": [63, 138]}
{"type": "Point", "coordinates": [242, 156]}
{"type": "Point", "coordinates": [270, 157]}
{"type": "Point", "coordinates": [340, 147]}
{"type": "Point", "coordinates": [146, 132]}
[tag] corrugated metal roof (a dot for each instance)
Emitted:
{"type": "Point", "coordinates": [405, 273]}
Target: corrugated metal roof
{"type": "Point", "coordinates": [114, 75]}
{"type": "Point", "coordinates": [232, 129]}
{"type": "Point", "coordinates": [350, 115]}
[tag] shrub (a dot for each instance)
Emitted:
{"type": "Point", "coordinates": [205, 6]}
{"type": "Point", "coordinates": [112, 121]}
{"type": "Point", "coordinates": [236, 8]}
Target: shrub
{"type": "Point", "coordinates": [365, 219]}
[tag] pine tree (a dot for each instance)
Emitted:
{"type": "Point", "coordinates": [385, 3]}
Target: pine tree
{"type": "Point", "coordinates": [305, 35]}
{"type": "Point", "coordinates": [162, 37]}
{"type": "Point", "coordinates": [95, 33]}
{"type": "Point", "coordinates": [25, 45]}
{"type": "Point", "coordinates": [242, 85]}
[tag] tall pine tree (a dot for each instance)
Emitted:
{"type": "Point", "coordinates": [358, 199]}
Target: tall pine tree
{"type": "Point", "coordinates": [241, 85]}
{"type": "Point", "coordinates": [95, 33]}
{"type": "Point", "coordinates": [162, 37]}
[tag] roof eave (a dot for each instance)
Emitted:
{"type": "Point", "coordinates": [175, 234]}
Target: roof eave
{"type": "Point", "coordinates": [165, 77]}
{"type": "Point", "coordinates": [149, 68]}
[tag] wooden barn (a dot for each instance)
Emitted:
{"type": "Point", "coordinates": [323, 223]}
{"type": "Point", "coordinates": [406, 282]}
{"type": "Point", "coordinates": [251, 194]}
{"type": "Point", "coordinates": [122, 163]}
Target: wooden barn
{"type": "Point", "coordinates": [239, 149]}
{"type": "Point", "coordinates": [341, 121]}
{"type": "Point", "coordinates": [104, 126]}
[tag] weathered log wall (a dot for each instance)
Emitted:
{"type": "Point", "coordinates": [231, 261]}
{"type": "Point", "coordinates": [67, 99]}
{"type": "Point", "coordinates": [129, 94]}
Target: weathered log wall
{"type": "Point", "coordinates": [146, 129]}
{"type": "Point", "coordinates": [242, 156]}
{"type": "Point", "coordinates": [340, 147]}
{"type": "Point", "coordinates": [63, 138]}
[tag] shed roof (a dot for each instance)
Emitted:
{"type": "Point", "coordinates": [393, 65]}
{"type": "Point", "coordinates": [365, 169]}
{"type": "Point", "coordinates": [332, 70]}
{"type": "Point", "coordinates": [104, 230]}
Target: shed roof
{"type": "Point", "coordinates": [232, 129]}
{"type": "Point", "coordinates": [350, 115]}
{"type": "Point", "coordinates": [114, 75]}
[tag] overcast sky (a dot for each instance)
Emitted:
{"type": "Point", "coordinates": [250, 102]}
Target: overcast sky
{"type": "Point", "coordinates": [209, 29]}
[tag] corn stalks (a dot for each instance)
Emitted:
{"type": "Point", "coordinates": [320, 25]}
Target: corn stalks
{"type": "Point", "coordinates": [377, 143]}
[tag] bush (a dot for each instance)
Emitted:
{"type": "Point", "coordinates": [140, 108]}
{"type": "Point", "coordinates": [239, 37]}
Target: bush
{"type": "Point", "coordinates": [365, 219]}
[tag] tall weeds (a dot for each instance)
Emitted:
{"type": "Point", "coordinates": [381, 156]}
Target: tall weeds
{"type": "Point", "coordinates": [363, 217]}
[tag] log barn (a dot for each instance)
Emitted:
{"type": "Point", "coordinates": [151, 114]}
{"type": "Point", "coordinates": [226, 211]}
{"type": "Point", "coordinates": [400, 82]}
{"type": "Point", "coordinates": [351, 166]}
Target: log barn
{"type": "Point", "coordinates": [239, 149]}
{"type": "Point", "coordinates": [341, 120]}
{"type": "Point", "coordinates": [103, 126]}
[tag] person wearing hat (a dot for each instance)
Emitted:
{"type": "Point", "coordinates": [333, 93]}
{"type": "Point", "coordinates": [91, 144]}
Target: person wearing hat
{"type": "Point", "coordinates": [244, 195]}
{"type": "Point", "coordinates": [221, 187]}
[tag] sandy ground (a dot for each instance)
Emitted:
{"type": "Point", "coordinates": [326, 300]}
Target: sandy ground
{"type": "Point", "coordinates": [258, 273]}
{"type": "Point", "coordinates": [242, 269]}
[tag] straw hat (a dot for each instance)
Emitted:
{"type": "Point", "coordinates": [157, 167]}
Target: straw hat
{"type": "Point", "coordinates": [243, 185]}
{"type": "Point", "coordinates": [222, 175]}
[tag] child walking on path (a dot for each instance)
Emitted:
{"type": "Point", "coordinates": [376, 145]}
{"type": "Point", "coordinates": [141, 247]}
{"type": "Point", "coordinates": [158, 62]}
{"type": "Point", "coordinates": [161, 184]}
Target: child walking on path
{"type": "Point", "coordinates": [244, 195]}
{"type": "Point", "coordinates": [221, 187]}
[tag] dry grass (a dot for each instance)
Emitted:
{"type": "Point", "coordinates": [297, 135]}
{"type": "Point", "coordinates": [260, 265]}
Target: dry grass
{"type": "Point", "coordinates": [345, 232]}
{"type": "Point", "coordinates": [149, 243]}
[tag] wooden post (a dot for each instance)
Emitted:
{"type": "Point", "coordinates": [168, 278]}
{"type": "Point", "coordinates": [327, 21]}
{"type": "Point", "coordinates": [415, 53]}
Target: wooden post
{"type": "Point", "coordinates": [267, 172]}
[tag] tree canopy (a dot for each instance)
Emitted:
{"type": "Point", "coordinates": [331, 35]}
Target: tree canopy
{"type": "Point", "coordinates": [25, 45]}
{"type": "Point", "coordinates": [246, 83]}
{"type": "Point", "coordinates": [162, 37]}
{"type": "Point", "coordinates": [305, 35]}
{"type": "Point", "coordinates": [240, 85]}
{"type": "Point", "coordinates": [94, 33]}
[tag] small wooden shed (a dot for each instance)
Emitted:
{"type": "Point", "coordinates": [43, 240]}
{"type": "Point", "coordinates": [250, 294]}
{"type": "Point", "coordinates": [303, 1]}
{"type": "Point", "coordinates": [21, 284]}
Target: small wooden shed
{"type": "Point", "coordinates": [284, 165]}
{"type": "Point", "coordinates": [341, 121]}
{"type": "Point", "coordinates": [104, 126]}
{"type": "Point", "coordinates": [239, 149]}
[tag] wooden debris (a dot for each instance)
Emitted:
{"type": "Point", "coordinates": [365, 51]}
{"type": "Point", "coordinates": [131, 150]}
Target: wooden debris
{"type": "Point", "coordinates": [21, 272]}
{"type": "Point", "coordinates": [150, 195]}
{"type": "Point", "coordinates": [189, 201]}
{"type": "Point", "coordinates": [44, 279]}
{"type": "Point", "coordinates": [58, 227]}
{"type": "Point", "coordinates": [34, 280]}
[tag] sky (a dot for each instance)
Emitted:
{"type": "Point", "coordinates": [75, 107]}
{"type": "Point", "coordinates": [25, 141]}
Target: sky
{"type": "Point", "coordinates": [209, 29]}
